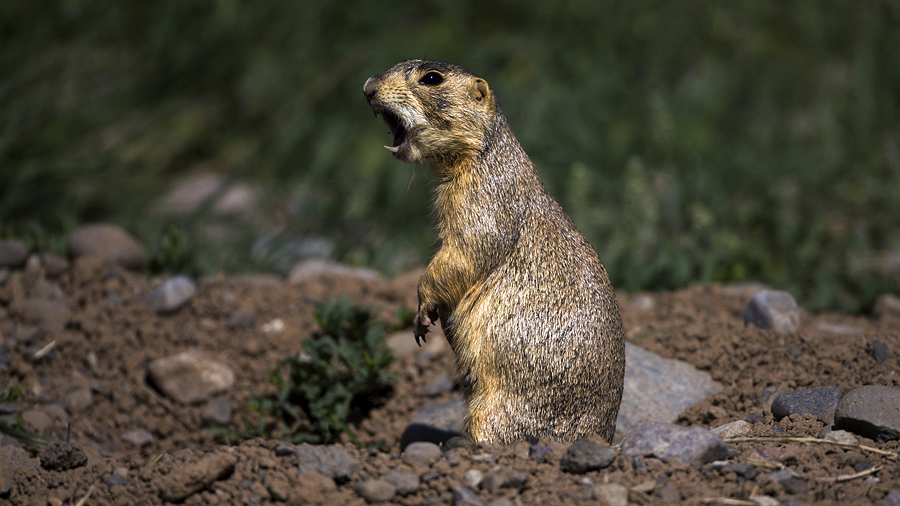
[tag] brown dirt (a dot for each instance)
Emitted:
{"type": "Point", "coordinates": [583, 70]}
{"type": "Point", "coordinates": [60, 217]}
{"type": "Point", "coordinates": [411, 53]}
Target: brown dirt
{"type": "Point", "coordinates": [106, 348]}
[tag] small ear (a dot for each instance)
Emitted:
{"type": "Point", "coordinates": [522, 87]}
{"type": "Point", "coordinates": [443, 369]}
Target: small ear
{"type": "Point", "coordinates": [478, 89]}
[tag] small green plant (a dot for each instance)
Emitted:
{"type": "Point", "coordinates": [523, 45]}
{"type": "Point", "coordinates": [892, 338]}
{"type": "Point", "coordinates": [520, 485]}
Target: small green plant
{"type": "Point", "coordinates": [172, 253]}
{"type": "Point", "coordinates": [343, 369]}
{"type": "Point", "coordinates": [338, 377]}
{"type": "Point", "coordinates": [12, 427]}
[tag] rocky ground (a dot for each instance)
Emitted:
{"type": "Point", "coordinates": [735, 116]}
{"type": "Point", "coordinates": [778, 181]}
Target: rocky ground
{"type": "Point", "coordinates": [101, 348]}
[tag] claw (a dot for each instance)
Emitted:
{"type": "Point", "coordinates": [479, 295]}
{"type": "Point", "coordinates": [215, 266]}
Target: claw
{"type": "Point", "coordinates": [423, 340]}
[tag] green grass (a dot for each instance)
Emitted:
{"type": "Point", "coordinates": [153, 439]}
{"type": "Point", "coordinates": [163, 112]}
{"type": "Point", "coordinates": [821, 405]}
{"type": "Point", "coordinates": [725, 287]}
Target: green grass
{"type": "Point", "coordinates": [692, 141]}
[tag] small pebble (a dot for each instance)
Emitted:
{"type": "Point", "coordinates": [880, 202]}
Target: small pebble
{"type": "Point", "coordinates": [773, 309]}
{"type": "Point", "coordinates": [405, 482]}
{"type": "Point", "coordinates": [171, 295]}
{"type": "Point", "coordinates": [138, 437]}
{"type": "Point", "coordinates": [462, 496]}
{"type": "Point", "coordinates": [819, 401]}
{"type": "Point", "coordinates": [438, 385]}
{"type": "Point", "coordinates": [583, 456]}
{"type": "Point", "coordinates": [374, 491]}
{"type": "Point", "coordinates": [538, 452]}
{"type": "Point", "coordinates": [613, 494]}
{"type": "Point", "coordinates": [473, 478]}
{"type": "Point", "coordinates": [421, 453]}
{"type": "Point", "coordinates": [668, 494]}
{"type": "Point", "coordinates": [880, 352]}
{"type": "Point", "coordinates": [114, 479]}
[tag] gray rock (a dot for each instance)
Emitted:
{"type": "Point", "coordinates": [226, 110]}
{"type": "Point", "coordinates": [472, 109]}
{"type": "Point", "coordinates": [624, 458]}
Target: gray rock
{"type": "Point", "coordinates": [47, 290]}
{"type": "Point", "coordinates": [171, 295]}
{"type": "Point", "coordinates": [13, 253]}
{"type": "Point", "coordinates": [436, 423]}
{"type": "Point", "coordinates": [668, 494]}
{"type": "Point", "coordinates": [658, 389]}
{"type": "Point", "coordinates": [773, 310]}
{"type": "Point", "coordinates": [438, 385]}
{"type": "Point", "coordinates": [502, 477]}
{"type": "Point", "coordinates": [316, 269]}
{"type": "Point", "coordinates": [54, 265]}
{"type": "Point", "coordinates": [109, 242]}
{"type": "Point", "coordinates": [892, 498]}
{"type": "Point", "coordinates": [887, 305]}
{"type": "Point", "coordinates": [114, 479]}
{"type": "Point", "coordinates": [819, 401]}
{"type": "Point", "coordinates": [871, 411]}
{"type": "Point", "coordinates": [376, 491]}
{"type": "Point", "coordinates": [405, 482]}
{"type": "Point", "coordinates": [241, 319]}
{"type": "Point", "coordinates": [421, 453]}
{"type": "Point", "coordinates": [78, 401]}
{"type": "Point", "coordinates": [584, 456]}
{"type": "Point", "coordinates": [331, 461]}
{"type": "Point", "coordinates": [838, 328]}
{"type": "Point", "coordinates": [841, 436]}
{"type": "Point", "coordinates": [188, 194]}
{"type": "Point", "coordinates": [190, 377]}
{"type": "Point", "coordinates": [794, 485]}
{"type": "Point", "coordinates": [764, 500]}
{"type": "Point", "coordinates": [138, 437]}
{"type": "Point", "coordinates": [462, 496]}
{"type": "Point", "coordinates": [49, 316]}
{"type": "Point", "coordinates": [538, 453]}
{"type": "Point", "coordinates": [218, 411]}
{"type": "Point", "coordinates": [732, 429]}
{"type": "Point", "coordinates": [473, 478]}
{"type": "Point", "coordinates": [880, 352]}
{"type": "Point", "coordinates": [613, 494]}
{"type": "Point", "coordinates": [668, 442]}
{"type": "Point", "coordinates": [501, 502]}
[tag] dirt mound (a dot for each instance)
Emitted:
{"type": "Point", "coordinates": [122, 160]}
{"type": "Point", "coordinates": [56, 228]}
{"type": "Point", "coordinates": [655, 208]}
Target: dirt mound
{"type": "Point", "coordinates": [95, 347]}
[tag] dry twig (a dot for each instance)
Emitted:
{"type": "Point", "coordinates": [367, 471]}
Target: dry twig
{"type": "Point", "coordinates": [727, 501]}
{"type": "Point", "coordinates": [85, 498]}
{"type": "Point", "coordinates": [848, 477]}
{"type": "Point", "coordinates": [797, 439]}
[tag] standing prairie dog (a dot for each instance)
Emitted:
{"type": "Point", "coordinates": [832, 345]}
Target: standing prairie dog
{"type": "Point", "coordinates": [524, 300]}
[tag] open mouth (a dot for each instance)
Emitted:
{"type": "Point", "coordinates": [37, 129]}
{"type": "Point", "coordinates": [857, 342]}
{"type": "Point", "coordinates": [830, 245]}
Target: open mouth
{"type": "Point", "coordinates": [398, 131]}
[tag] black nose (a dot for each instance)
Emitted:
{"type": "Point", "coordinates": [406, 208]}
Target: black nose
{"type": "Point", "coordinates": [370, 88]}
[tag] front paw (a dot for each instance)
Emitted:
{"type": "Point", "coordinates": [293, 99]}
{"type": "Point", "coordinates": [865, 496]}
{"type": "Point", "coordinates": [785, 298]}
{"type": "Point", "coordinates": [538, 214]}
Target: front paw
{"type": "Point", "coordinates": [424, 320]}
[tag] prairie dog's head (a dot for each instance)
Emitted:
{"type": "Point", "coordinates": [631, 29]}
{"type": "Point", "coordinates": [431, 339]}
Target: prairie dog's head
{"type": "Point", "coordinates": [437, 113]}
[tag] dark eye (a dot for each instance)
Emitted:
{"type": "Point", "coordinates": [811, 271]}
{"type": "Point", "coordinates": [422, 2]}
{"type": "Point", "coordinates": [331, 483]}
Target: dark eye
{"type": "Point", "coordinates": [431, 79]}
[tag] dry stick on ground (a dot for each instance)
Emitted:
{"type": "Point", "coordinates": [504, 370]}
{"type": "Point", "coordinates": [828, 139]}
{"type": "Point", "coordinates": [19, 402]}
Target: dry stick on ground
{"type": "Point", "coordinates": [727, 501]}
{"type": "Point", "coordinates": [848, 477]}
{"type": "Point", "coordinates": [740, 502]}
{"type": "Point", "coordinates": [85, 498]}
{"type": "Point", "coordinates": [43, 351]}
{"type": "Point", "coordinates": [796, 439]}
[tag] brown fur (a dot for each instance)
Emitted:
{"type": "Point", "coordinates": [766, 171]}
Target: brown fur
{"type": "Point", "coordinates": [523, 298]}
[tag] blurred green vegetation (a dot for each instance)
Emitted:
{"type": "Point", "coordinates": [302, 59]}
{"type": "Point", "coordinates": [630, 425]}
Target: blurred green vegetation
{"type": "Point", "coordinates": [691, 141]}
